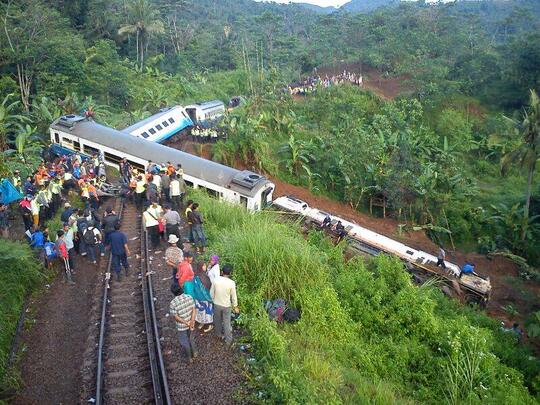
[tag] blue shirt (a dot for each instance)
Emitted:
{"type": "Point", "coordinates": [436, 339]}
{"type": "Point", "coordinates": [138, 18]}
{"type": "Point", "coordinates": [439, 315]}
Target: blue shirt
{"type": "Point", "coordinates": [467, 269]}
{"type": "Point", "coordinates": [118, 240]}
{"type": "Point", "coordinates": [37, 240]}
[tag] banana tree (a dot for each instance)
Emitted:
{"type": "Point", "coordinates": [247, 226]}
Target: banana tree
{"type": "Point", "coordinates": [9, 120]}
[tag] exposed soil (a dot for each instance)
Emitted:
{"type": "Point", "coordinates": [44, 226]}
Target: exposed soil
{"type": "Point", "coordinates": [385, 86]}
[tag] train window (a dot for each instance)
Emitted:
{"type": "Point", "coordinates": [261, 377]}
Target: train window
{"type": "Point", "coordinates": [145, 135]}
{"type": "Point", "coordinates": [56, 137]}
{"type": "Point", "coordinates": [165, 123]}
{"type": "Point", "coordinates": [159, 127]}
{"type": "Point", "coordinates": [188, 183]}
{"type": "Point", "coordinates": [77, 146]}
{"type": "Point", "coordinates": [67, 141]}
{"type": "Point", "coordinates": [89, 150]}
{"type": "Point", "coordinates": [171, 120]}
{"type": "Point", "coordinates": [112, 158]}
{"type": "Point", "coordinates": [211, 193]}
{"type": "Point", "coordinates": [152, 131]}
{"type": "Point", "coordinates": [243, 201]}
{"type": "Point", "coordinates": [137, 166]}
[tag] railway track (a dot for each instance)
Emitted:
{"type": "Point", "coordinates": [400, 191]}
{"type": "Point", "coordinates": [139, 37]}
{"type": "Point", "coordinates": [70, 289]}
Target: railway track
{"type": "Point", "coordinates": [130, 366]}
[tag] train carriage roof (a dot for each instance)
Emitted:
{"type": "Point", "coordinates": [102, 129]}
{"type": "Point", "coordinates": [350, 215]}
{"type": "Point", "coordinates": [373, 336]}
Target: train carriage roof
{"type": "Point", "coordinates": [245, 182]}
{"type": "Point", "coordinates": [153, 117]}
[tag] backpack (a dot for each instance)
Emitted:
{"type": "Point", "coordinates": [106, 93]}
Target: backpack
{"type": "Point", "coordinates": [89, 237]}
{"type": "Point", "coordinates": [291, 315]}
{"type": "Point", "coordinates": [276, 309]}
{"type": "Point", "coordinates": [50, 250]}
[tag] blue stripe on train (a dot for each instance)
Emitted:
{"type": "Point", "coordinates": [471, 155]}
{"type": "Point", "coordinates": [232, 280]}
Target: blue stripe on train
{"type": "Point", "coordinates": [186, 122]}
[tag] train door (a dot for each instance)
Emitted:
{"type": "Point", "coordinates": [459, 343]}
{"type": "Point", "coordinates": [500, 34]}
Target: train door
{"type": "Point", "coordinates": [192, 112]}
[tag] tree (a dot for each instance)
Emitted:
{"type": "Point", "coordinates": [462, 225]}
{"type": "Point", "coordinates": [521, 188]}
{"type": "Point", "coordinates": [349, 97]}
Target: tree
{"type": "Point", "coordinates": [297, 155]}
{"type": "Point", "coordinates": [528, 152]}
{"type": "Point", "coordinates": [32, 33]}
{"type": "Point", "coordinates": [9, 121]}
{"type": "Point", "coordinates": [144, 22]}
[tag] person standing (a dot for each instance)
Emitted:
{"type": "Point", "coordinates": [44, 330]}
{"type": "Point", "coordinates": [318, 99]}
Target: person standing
{"type": "Point", "coordinates": [199, 238]}
{"type": "Point", "coordinates": [92, 238]}
{"type": "Point", "coordinates": [213, 268]}
{"type": "Point", "coordinates": [223, 293]}
{"type": "Point", "coordinates": [66, 213]}
{"type": "Point", "coordinates": [151, 222]}
{"type": "Point", "coordinates": [172, 221]}
{"type": "Point", "coordinates": [185, 271]}
{"type": "Point", "coordinates": [62, 254]}
{"type": "Point", "coordinates": [182, 309]}
{"type": "Point", "coordinates": [203, 301]}
{"type": "Point", "coordinates": [119, 250]}
{"type": "Point", "coordinates": [175, 188]}
{"type": "Point", "coordinates": [440, 258]}
{"type": "Point", "coordinates": [69, 239]}
{"type": "Point", "coordinates": [25, 208]}
{"type": "Point", "coordinates": [140, 191]}
{"type": "Point", "coordinates": [165, 186]}
{"type": "Point", "coordinates": [187, 213]}
{"type": "Point", "coordinates": [174, 256]}
{"type": "Point", "coordinates": [110, 219]}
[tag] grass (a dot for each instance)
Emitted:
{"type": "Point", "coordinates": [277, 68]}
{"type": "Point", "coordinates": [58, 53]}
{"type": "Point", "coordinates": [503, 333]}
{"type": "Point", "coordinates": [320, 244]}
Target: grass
{"type": "Point", "coordinates": [366, 335]}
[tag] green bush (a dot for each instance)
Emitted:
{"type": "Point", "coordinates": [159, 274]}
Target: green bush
{"type": "Point", "coordinates": [19, 273]}
{"type": "Point", "coordinates": [367, 334]}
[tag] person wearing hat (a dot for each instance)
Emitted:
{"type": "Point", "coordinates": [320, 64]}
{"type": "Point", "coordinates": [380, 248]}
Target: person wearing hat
{"type": "Point", "coordinates": [173, 255]}
{"type": "Point", "coordinates": [68, 211]}
{"type": "Point", "coordinates": [25, 208]}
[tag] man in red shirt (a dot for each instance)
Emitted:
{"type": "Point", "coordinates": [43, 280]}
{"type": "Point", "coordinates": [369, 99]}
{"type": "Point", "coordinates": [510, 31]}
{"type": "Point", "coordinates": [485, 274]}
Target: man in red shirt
{"type": "Point", "coordinates": [185, 271]}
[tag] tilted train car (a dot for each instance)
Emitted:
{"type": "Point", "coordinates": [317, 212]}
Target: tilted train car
{"type": "Point", "coordinates": [82, 135]}
{"type": "Point", "coordinates": [206, 114]}
{"type": "Point", "coordinates": [161, 126]}
{"type": "Point", "coordinates": [365, 241]}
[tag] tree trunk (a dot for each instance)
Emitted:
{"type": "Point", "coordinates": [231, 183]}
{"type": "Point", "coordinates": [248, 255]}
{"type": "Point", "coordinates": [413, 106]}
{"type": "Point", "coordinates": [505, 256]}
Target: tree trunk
{"type": "Point", "coordinates": [25, 84]}
{"type": "Point", "coordinates": [527, 203]}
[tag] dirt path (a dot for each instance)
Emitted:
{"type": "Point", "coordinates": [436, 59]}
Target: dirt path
{"type": "Point", "coordinates": [50, 367]}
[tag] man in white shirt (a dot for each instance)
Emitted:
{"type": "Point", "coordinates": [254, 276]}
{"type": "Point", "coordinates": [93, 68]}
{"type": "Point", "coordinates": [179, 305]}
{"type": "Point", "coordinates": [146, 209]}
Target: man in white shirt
{"type": "Point", "coordinates": [223, 292]}
{"type": "Point", "coordinates": [151, 219]}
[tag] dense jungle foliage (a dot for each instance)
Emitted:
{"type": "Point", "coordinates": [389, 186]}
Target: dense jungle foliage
{"type": "Point", "coordinates": [455, 154]}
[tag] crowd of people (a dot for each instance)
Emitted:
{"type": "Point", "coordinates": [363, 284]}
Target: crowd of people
{"type": "Point", "coordinates": [204, 295]}
{"type": "Point", "coordinates": [205, 135]}
{"type": "Point", "coordinates": [312, 83]}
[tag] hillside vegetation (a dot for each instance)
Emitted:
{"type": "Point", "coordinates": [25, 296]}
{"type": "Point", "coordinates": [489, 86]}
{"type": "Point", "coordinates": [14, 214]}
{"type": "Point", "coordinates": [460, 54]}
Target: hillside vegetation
{"type": "Point", "coordinates": [367, 335]}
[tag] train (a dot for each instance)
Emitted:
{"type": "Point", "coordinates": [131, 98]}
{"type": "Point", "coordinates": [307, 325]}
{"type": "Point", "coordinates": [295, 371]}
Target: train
{"type": "Point", "coordinates": [76, 134]}
{"type": "Point", "coordinates": [162, 125]}
{"type": "Point", "coordinates": [364, 241]}
{"type": "Point", "coordinates": [206, 114]}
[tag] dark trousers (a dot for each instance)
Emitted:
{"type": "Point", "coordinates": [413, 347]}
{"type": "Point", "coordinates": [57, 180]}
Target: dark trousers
{"type": "Point", "coordinates": [139, 200]}
{"type": "Point", "coordinates": [153, 232]}
{"type": "Point", "coordinates": [440, 262]}
{"type": "Point", "coordinates": [28, 221]}
{"type": "Point", "coordinates": [118, 260]}
{"type": "Point", "coordinates": [176, 202]}
{"type": "Point", "coordinates": [165, 193]}
{"type": "Point", "coordinates": [91, 250]}
{"type": "Point", "coordinates": [199, 239]}
{"type": "Point", "coordinates": [187, 341]}
{"type": "Point", "coordinates": [71, 258]}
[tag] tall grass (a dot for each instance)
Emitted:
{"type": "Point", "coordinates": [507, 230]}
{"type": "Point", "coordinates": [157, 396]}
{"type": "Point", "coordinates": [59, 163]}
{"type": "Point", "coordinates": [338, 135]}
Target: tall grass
{"type": "Point", "coordinates": [19, 274]}
{"type": "Point", "coordinates": [366, 335]}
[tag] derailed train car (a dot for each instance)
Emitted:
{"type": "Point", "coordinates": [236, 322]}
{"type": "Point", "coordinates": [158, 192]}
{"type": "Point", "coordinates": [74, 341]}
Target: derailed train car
{"type": "Point", "coordinates": [72, 133]}
{"type": "Point", "coordinates": [420, 264]}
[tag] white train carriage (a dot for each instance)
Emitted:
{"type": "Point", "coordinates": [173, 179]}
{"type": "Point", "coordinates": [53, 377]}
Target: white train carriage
{"type": "Point", "coordinates": [363, 235]}
{"type": "Point", "coordinates": [161, 126]}
{"type": "Point", "coordinates": [206, 113]}
{"type": "Point", "coordinates": [81, 135]}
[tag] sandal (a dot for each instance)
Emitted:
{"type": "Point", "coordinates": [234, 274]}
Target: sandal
{"type": "Point", "coordinates": [208, 329]}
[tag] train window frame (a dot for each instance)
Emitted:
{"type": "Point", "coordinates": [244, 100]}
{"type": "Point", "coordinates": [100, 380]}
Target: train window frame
{"type": "Point", "coordinates": [159, 127]}
{"type": "Point", "coordinates": [77, 146]}
{"type": "Point", "coordinates": [137, 166]}
{"type": "Point", "coordinates": [243, 201]}
{"type": "Point", "coordinates": [110, 157]}
{"type": "Point", "coordinates": [56, 137]}
{"type": "Point", "coordinates": [188, 183]}
{"type": "Point", "coordinates": [90, 150]}
{"type": "Point", "coordinates": [145, 135]}
{"type": "Point", "coordinates": [165, 123]}
{"type": "Point", "coordinates": [171, 120]}
{"type": "Point", "coordinates": [152, 131]}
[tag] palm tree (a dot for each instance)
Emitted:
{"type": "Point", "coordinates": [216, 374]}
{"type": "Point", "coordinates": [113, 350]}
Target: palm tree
{"type": "Point", "coordinates": [145, 22]}
{"type": "Point", "coordinates": [8, 120]}
{"type": "Point", "coordinates": [528, 152]}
